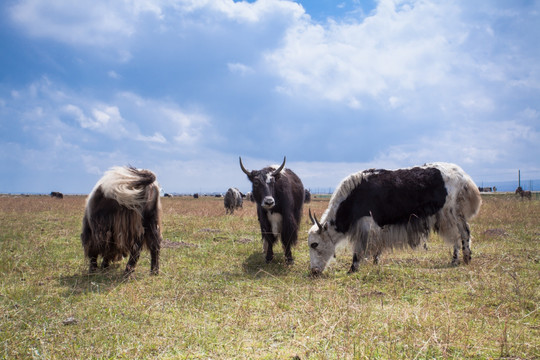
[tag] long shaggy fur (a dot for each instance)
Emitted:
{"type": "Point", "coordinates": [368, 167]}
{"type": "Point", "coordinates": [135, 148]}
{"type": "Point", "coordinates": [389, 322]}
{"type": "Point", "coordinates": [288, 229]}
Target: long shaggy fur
{"type": "Point", "coordinates": [123, 215]}
{"type": "Point", "coordinates": [443, 205]}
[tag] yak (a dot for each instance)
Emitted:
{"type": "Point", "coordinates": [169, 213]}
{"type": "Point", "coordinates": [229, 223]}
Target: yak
{"type": "Point", "coordinates": [384, 209]}
{"type": "Point", "coordinates": [57, 195]}
{"type": "Point", "coordinates": [279, 195]}
{"type": "Point", "coordinates": [233, 200]}
{"type": "Point", "coordinates": [307, 197]}
{"type": "Point", "coordinates": [123, 215]}
{"type": "Point", "coordinates": [523, 193]}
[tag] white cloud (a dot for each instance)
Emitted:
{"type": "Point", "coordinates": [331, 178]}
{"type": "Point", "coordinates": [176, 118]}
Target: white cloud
{"type": "Point", "coordinates": [75, 22]}
{"type": "Point", "coordinates": [244, 11]}
{"type": "Point", "coordinates": [399, 48]}
{"type": "Point", "coordinates": [156, 138]}
{"type": "Point", "coordinates": [113, 74]}
{"type": "Point", "coordinates": [241, 69]}
{"type": "Point", "coordinates": [103, 23]}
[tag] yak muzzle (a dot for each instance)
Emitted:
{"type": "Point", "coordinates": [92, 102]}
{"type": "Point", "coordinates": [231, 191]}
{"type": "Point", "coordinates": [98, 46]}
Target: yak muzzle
{"type": "Point", "coordinates": [315, 272]}
{"type": "Point", "coordinates": [268, 202]}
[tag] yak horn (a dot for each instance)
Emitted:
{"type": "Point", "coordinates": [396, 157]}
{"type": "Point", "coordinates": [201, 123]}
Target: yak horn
{"type": "Point", "coordinates": [243, 168]}
{"type": "Point", "coordinates": [280, 168]}
{"type": "Point", "coordinates": [314, 220]}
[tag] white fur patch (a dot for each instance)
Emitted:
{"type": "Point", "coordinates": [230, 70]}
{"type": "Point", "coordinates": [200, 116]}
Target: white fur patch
{"type": "Point", "coordinates": [276, 221]}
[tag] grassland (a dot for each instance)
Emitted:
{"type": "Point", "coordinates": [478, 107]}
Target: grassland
{"type": "Point", "coordinates": [215, 298]}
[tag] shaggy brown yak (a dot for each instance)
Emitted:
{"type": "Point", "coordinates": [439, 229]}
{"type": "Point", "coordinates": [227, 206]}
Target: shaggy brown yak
{"type": "Point", "coordinates": [123, 214]}
{"type": "Point", "coordinates": [523, 193]}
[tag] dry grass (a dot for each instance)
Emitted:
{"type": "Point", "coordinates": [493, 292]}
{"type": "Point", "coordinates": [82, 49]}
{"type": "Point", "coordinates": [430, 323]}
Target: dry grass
{"type": "Point", "coordinates": [216, 298]}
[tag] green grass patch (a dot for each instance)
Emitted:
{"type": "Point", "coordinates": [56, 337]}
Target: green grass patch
{"type": "Point", "coordinates": [216, 297]}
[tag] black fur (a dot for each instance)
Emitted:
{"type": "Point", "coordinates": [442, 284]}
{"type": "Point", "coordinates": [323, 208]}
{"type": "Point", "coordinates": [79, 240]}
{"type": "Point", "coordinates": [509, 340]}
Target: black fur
{"type": "Point", "coordinates": [287, 191]}
{"type": "Point", "coordinates": [405, 196]}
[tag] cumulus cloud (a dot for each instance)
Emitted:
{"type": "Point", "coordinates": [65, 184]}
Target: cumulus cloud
{"type": "Point", "coordinates": [400, 47]}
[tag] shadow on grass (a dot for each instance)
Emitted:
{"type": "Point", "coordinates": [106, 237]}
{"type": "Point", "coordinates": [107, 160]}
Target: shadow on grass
{"type": "Point", "coordinates": [102, 281]}
{"type": "Point", "coordinates": [255, 265]}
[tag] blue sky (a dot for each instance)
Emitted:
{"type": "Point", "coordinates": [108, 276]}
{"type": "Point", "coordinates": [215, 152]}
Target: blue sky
{"type": "Point", "coordinates": [184, 87]}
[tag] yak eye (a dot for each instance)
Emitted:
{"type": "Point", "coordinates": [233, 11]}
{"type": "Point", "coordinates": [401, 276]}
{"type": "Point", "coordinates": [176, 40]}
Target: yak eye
{"type": "Point", "coordinates": [314, 245]}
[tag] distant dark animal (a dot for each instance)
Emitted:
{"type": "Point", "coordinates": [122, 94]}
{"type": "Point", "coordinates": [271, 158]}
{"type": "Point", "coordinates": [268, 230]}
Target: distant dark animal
{"type": "Point", "coordinates": [307, 196]}
{"type": "Point", "coordinates": [57, 195]}
{"type": "Point", "coordinates": [279, 195]}
{"type": "Point", "coordinates": [523, 193]}
{"type": "Point", "coordinates": [123, 215]}
{"type": "Point", "coordinates": [485, 189]}
{"type": "Point", "coordinates": [167, 195]}
{"type": "Point", "coordinates": [383, 209]}
{"type": "Point", "coordinates": [196, 196]}
{"type": "Point", "coordinates": [233, 200]}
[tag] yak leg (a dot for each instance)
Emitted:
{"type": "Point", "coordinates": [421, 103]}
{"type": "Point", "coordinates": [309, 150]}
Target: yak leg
{"type": "Point", "coordinates": [134, 255]}
{"type": "Point", "coordinates": [269, 247]}
{"type": "Point", "coordinates": [106, 262]}
{"type": "Point", "coordinates": [376, 258]}
{"type": "Point", "coordinates": [289, 260]}
{"type": "Point", "coordinates": [154, 253]}
{"type": "Point", "coordinates": [451, 233]}
{"type": "Point", "coordinates": [360, 249]}
{"type": "Point", "coordinates": [289, 237]}
{"type": "Point", "coordinates": [455, 259]}
{"type": "Point", "coordinates": [154, 263]}
{"type": "Point", "coordinates": [93, 264]}
{"type": "Point", "coordinates": [462, 239]}
{"type": "Point", "coordinates": [355, 263]}
{"type": "Point", "coordinates": [465, 241]}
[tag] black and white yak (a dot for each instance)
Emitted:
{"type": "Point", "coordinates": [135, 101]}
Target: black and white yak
{"type": "Point", "coordinates": [384, 209]}
{"type": "Point", "coordinates": [279, 195]}
{"type": "Point", "coordinates": [123, 215]}
{"type": "Point", "coordinates": [233, 200]}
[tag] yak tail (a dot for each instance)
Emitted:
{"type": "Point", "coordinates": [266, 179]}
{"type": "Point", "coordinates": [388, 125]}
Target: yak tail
{"type": "Point", "coordinates": [470, 199]}
{"type": "Point", "coordinates": [128, 186]}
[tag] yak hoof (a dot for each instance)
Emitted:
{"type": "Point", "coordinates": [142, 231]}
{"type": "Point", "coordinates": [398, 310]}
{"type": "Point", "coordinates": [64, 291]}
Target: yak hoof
{"type": "Point", "coordinates": [289, 261]}
{"type": "Point", "coordinates": [353, 269]}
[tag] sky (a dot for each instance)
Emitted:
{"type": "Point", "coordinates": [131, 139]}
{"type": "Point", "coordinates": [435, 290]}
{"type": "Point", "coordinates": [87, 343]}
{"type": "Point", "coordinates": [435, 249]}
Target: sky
{"type": "Point", "coordinates": [185, 87]}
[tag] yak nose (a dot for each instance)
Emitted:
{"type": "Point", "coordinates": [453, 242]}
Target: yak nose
{"type": "Point", "coordinates": [269, 202]}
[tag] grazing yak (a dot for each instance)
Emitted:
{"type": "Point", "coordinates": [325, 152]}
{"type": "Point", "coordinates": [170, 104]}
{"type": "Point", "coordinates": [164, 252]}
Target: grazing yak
{"type": "Point", "coordinates": [383, 209]}
{"type": "Point", "coordinates": [122, 215]}
{"type": "Point", "coordinates": [233, 200]}
{"type": "Point", "coordinates": [57, 195]}
{"type": "Point", "coordinates": [279, 195]}
{"type": "Point", "coordinates": [523, 193]}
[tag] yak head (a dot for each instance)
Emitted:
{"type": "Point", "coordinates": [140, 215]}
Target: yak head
{"type": "Point", "coordinates": [264, 182]}
{"type": "Point", "coordinates": [322, 241]}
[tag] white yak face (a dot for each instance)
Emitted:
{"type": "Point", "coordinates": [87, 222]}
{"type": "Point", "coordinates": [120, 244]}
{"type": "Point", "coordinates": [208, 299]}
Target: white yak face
{"type": "Point", "coordinates": [321, 247]}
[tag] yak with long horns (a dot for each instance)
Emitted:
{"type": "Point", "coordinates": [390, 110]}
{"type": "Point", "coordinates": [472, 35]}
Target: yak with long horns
{"type": "Point", "coordinates": [279, 195]}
